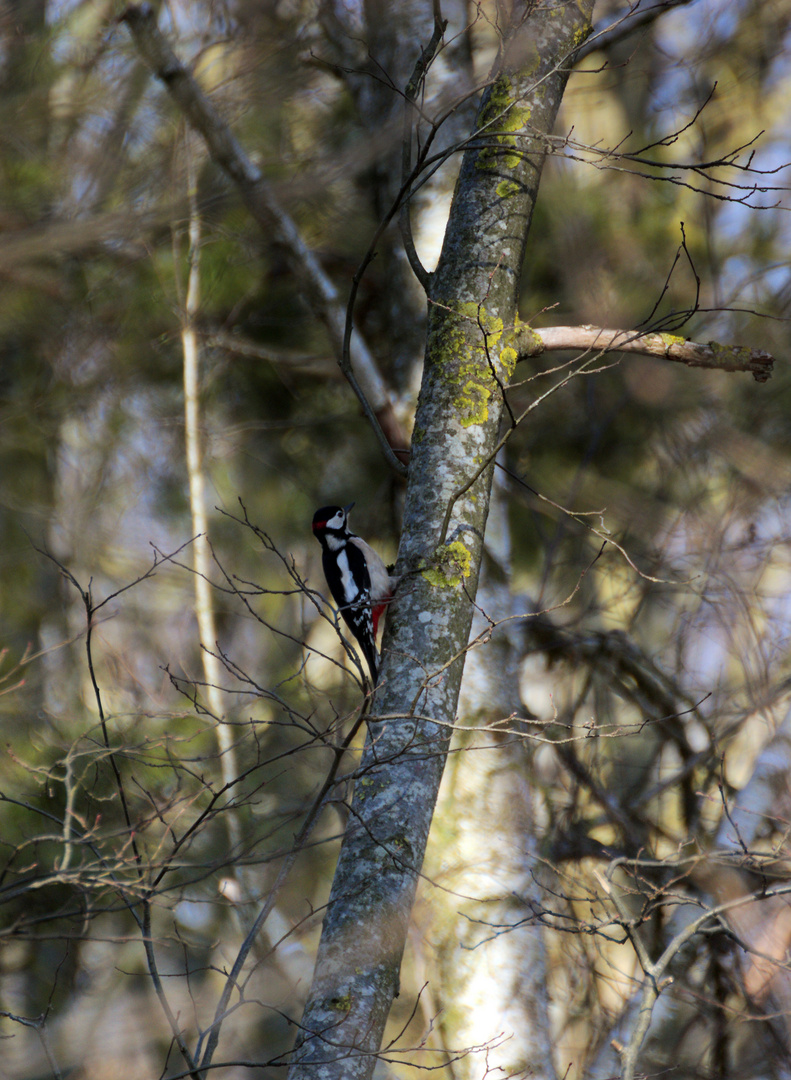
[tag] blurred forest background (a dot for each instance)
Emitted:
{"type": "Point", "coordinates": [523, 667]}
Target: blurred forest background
{"type": "Point", "coordinates": [149, 798]}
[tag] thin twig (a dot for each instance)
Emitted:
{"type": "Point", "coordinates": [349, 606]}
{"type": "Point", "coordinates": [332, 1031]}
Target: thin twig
{"type": "Point", "coordinates": [263, 915]}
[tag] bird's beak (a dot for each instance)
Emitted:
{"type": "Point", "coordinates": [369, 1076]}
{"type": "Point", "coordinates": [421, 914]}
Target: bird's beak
{"type": "Point", "coordinates": [346, 509]}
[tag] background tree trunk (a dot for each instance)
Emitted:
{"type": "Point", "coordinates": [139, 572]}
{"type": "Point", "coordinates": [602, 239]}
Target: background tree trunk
{"type": "Point", "coordinates": [478, 933]}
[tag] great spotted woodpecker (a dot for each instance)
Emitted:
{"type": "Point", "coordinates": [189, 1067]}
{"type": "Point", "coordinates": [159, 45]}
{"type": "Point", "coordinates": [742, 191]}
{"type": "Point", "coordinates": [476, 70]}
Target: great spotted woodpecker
{"type": "Point", "coordinates": [359, 581]}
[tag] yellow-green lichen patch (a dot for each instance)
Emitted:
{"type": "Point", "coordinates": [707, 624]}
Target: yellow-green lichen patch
{"type": "Point", "coordinates": [452, 563]}
{"type": "Point", "coordinates": [581, 33]}
{"type": "Point", "coordinates": [341, 1004]}
{"type": "Point", "coordinates": [508, 358]}
{"type": "Point", "coordinates": [500, 118]}
{"type": "Point", "coordinates": [671, 339]}
{"type": "Point", "coordinates": [492, 325]}
{"type": "Point", "coordinates": [507, 188]}
{"type": "Point", "coordinates": [464, 346]}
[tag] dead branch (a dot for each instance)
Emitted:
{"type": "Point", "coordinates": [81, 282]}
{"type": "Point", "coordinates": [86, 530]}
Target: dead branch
{"type": "Point", "coordinates": [532, 342]}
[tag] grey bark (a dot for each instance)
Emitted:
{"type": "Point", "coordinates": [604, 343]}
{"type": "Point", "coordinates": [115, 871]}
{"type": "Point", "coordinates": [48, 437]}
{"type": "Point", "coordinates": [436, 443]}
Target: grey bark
{"type": "Point", "coordinates": [472, 309]}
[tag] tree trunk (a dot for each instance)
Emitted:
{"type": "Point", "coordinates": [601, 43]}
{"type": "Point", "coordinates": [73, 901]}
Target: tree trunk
{"type": "Point", "coordinates": [472, 311]}
{"type": "Point", "coordinates": [480, 893]}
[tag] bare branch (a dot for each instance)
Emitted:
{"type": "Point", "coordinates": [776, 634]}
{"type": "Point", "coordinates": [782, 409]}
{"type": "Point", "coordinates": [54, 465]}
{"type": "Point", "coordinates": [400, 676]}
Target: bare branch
{"type": "Point", "coordinates": [532, 342]}
{"type": "Point", "coordinates": [226, 152]}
